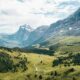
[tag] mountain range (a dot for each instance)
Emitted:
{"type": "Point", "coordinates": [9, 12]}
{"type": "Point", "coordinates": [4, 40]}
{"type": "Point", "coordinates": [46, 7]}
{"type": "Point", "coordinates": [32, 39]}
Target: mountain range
{"type": "Point", "coordinates": [61, 29]}
{"type": "Point", "coordinates": [26, 36]}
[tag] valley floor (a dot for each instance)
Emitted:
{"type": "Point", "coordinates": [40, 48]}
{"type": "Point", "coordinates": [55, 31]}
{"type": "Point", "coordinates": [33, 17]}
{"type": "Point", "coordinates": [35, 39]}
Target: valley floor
{"type": "Point", "coordinates": [39, 67]}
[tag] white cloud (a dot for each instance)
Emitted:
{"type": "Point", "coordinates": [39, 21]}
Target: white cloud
{"type": "Point", "coordinates": [34, 12]}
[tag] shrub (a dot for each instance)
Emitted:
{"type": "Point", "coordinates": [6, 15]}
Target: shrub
{"type": "Point", "coordinates": [73, 78]}
{"type": "Point", "coordinates": [48, 78]}
{"type": "Point", "coordinates": [35, 75]}
{"type": "Point", "coordinates": [56, 62]}
{"type": "Point", "coordinates": [6, 63]}
{"type": "Point", "coordinates": [70, 70]}
{"type": "Point", "coordinates": [55, 73]}
{"type": "Point", "coordinates": [28, 75]}
{"type": "Point", "coordinates": [52, 73]}
{"type": "Point", "coordinates": [40, 77]}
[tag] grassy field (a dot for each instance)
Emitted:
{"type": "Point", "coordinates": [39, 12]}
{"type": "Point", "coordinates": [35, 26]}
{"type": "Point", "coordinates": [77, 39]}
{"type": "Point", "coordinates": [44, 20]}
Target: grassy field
{"type": "Point", "coordinates": [36, 67]}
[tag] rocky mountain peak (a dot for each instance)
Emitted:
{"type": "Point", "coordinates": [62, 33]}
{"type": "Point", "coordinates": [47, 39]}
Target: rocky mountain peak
{"type": "Point", "coordinates": [26, 27]}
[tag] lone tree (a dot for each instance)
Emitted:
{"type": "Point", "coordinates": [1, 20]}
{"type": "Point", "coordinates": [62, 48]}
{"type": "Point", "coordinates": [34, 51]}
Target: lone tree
{"type": "Point", "coordinates": [40, 77]}
{"type": "Point", "coordinates": [74, 78]}
{"type": "Point", "coordinates": [35, 75]}
{"type": "Point", "coordinates": [55, 73]}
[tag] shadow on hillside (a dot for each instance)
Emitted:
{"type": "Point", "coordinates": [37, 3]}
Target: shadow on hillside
{"type": "Point", "coordinates": [30, 50]}
{"type": "Point", "coordinates": [39, 51]}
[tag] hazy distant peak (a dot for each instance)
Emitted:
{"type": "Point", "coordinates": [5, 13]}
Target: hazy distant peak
{"type": "Point", "coordinates": [26, 27]}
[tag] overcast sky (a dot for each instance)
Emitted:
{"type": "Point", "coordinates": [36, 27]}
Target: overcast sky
{"type": "Point", "coordinates": [14, 13]}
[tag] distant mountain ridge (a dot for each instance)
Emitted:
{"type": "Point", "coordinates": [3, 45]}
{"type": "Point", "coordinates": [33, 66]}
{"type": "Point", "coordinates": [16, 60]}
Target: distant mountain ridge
{"type": "Point", "coordinates": [26, 36]}
{"type": "Point", "coordinates": [17, 38]}
{"type": "Point", "coordinates": [67, 27]}
{"type": "Point", "coordinates": [36, 34]}
{"type": "Point", "coordinates": [22, 34]}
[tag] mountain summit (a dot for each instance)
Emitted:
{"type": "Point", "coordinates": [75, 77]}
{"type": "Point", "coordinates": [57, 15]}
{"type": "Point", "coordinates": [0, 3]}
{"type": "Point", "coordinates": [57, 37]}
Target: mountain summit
{"type": "Point", "coordinates": [26, 27]}
{"type": "Point", "coordinates": [23, 33]}
{"type": "Point", "coordinates": [17, 38]}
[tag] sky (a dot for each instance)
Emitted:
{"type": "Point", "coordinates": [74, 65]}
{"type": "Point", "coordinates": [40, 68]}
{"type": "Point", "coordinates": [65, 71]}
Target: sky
{"type": "Point", "coordinates": [35, 13]}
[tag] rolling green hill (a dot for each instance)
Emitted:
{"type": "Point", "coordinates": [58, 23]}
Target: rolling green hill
{"type": "Point", "coordinates": [16, 64]}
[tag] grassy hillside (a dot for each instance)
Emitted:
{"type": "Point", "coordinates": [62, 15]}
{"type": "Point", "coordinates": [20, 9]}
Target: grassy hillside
{"type": "Point", "coordinates": [63, 40]}
{"type": "Point", "coordinates": [18, 65]}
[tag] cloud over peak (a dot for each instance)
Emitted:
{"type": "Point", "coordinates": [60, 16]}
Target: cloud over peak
{"type": "Point", "coordinates": [35, 12]}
